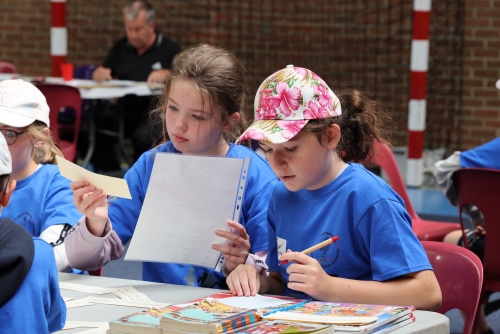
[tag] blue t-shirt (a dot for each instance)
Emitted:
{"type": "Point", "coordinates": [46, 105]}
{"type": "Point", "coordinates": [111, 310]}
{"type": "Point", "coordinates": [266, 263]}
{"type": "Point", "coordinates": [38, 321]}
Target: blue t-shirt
{"type": "Point", "coordinates": [41, 200]}
{"type": "Point", "coordinates": [376, 240]}
{"type": "Point", "coordinates": [124, 214]}
{"type": "Point", "coordinates": [484, 156]}
{"type": "Point", "coordinates": [37, 307]}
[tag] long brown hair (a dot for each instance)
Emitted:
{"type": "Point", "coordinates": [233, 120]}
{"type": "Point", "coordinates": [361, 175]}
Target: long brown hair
{"type": "Point", "coordinates": [219, 75]}
{"type": "Point", "coordinates": [46, 153]}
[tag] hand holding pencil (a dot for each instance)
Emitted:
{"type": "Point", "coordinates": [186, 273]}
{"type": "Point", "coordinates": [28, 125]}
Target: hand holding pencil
{"type": "Point", "coordinates": [316, 247]}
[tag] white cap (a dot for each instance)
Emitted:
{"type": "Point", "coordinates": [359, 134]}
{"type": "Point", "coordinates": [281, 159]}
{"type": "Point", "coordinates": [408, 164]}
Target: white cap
{"type": "Point", "coordinates": [498, 84]}
{"type": "Point", "coordinates": [21, 103]}
{"type": "Point", "coordinates": [5, 158]}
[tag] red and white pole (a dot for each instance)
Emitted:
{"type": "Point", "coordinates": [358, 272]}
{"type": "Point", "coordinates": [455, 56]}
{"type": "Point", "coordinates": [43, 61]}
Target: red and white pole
{"type": "Point", "coordinates": [418, 104]}
{"type": "Point", "coordinates": [58, 35]}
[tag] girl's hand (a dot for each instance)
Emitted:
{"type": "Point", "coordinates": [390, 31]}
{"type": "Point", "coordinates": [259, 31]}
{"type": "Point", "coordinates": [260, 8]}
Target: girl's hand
{"type": "Point", "coordinates": [92, 203]}
{"type": "Point", "coordinates": [244, 281]}
{"type": "Point", "coordinates": [306, 275]}
{"type": "Point", "coordinates": [237, 252]}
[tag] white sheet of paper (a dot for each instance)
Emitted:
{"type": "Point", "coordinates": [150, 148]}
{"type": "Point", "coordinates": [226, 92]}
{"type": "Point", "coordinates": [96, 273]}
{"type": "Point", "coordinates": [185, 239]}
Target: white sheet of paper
{"type": "Point", "coordinates": [78, 303]}
{"type": "Point", "coordinates": [111, 186]}
{"type": "Point", "coordinates": [85, 288]}
{"type": "Point", "coordinates": [86, 324]}
{"type": "Point", "coordinates": [67, 299]}
{"type": "Point", "coordinates": [121, 302]}
{"type": "Point", "coordinates": [188, 199]}
{"type": "Point", "coordinates": [130, 293]}
{"type": "Point", "coordinates": [257, 301]}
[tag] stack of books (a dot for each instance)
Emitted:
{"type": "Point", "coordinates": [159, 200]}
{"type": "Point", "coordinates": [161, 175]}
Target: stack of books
{"type": "Point", "coordinates": [220, 313]}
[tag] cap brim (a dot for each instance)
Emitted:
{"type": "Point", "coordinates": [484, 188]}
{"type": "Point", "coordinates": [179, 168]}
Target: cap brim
{"type": "Point", "coordinates": [14, 120]}
{"type": "Point", "coordinates": [269, 131]}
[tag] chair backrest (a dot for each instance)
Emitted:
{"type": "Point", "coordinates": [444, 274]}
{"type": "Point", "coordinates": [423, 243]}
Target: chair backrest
{"type": "Point", "coordinates": [460, 276]}
{"type": "Point", "coordinates": [6, 67]}
{"type": "Point", "coordinates": [386, 160]}
{"type": "Point", "coordinates": [59, 97]}
{"type": "Point", "coordinates": [481, 187]}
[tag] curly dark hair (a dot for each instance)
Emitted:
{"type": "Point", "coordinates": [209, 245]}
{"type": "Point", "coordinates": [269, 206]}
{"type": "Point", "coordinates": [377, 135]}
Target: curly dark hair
{"type": "Point", "coordinates": [363, 120]}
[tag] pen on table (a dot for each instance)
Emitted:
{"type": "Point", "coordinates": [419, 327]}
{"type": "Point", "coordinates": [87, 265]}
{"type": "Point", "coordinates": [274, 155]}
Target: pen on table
{"type": "Point", "coordinates": [316, 247]}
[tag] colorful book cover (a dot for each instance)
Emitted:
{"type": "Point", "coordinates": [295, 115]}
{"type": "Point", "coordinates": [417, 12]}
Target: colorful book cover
{"type": "Point", "coordinates": [392, 326]}
{"type": "Point", "coordinates": [147, 321]}
{"type": "Point", "coordinates": [209, 316]}
{"type": "Point", "coordinates": [274, 327]}
{"type": "Point", "coordinates": [341, 313]}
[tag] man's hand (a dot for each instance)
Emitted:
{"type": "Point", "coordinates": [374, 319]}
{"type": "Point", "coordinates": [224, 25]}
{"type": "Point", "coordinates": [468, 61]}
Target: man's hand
{"type": "Point", "coordinates": [101, 74]}
{"type": "Point", "coordinates": [158, 76]}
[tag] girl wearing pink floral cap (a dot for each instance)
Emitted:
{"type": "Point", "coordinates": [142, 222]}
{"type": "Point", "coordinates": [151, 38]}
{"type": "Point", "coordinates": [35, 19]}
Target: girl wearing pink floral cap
{"type": "Point", "coordinates": [313, 141]}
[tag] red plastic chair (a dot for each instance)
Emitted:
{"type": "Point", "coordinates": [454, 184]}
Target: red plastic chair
{"type": "Point", "coordinates": [481, 187]}
{"type": "Point", "coordinates": [6, 67]}
{"type": "Point", "coordinates": [423, 229]}
{"type": "Point", "coordinates": [460, 276]}
{"type": "Point", "coordinates": [59, 97]}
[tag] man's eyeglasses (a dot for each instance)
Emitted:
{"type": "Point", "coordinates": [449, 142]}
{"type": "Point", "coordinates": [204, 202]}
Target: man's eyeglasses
{"type": "Point", "coordinates": [10, 135]}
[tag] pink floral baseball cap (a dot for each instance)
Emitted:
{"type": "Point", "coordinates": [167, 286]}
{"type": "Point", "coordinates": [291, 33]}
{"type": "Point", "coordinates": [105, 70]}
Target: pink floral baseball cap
{"type": "Point", "coordinates": [286, 101]}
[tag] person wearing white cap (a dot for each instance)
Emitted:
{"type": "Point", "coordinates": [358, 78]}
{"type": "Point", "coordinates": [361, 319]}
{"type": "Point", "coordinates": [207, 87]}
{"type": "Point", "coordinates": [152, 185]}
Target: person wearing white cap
{"type": "Point", "coordinates": [29, 281]}
{"type": "Point", "coordinates": [312, 139]}
{"type": "Point", "coordinates": [43, 201]}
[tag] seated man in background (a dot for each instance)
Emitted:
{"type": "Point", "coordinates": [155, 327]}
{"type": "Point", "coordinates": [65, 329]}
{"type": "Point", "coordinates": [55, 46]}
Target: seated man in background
{"type": "Point", "coordinates": [143, 55]}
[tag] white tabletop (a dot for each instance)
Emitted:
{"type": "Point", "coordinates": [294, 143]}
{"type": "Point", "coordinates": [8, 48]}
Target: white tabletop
{"type": "Point", "coordinates": [90, 89]}
{"type": "Point", "coordinates": [426, 322]}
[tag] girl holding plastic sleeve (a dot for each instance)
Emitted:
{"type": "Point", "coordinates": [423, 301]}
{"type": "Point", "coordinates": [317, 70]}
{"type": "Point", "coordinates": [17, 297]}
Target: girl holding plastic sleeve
{"type": "Point", "coordinates": [313, 141]}
{"type": "Point", "coordinates": [42, 202]}
{"type": "Point", "coordinates": [202, 111]}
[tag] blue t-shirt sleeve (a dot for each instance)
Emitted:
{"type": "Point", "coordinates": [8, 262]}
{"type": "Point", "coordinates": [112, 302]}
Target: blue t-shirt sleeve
{"type": "Point", "coordinates": [256, 218]}
{"type": "Point", "coordinates": [58, 207]}
{"type": "Point", "coordinates": [124, 213]}
{"type": "Point", "coordinates": [484, 156]}
{"type": "Point", "coordinates": [386, 238]}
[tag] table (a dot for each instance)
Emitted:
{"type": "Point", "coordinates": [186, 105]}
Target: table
{"type": "Point", "coordinates": [426, 322]}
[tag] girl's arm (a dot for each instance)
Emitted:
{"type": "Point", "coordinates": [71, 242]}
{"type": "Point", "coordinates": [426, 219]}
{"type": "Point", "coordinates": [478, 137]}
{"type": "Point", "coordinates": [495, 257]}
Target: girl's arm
{"type": "Point", "coordinates": [92, 203]}
{"type": "Point", "coordinates": [88, 252]}
{"type": "Point", "coordinates": [93, 243]}
{"type": "Point", "coordinates": [419, 289]}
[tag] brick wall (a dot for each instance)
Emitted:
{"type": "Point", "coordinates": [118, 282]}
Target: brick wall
{"type": "Point", "coordinates": [480, 99]}
{"type": "Point", "coordinates": [361, 43]}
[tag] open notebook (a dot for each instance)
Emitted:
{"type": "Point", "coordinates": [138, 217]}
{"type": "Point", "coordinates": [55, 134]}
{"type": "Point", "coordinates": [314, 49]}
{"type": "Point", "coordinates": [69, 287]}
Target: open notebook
{"type": "Point", "coordinates": [188, 198]}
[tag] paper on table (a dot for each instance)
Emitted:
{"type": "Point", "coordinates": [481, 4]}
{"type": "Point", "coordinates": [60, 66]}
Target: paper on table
{"type": "Point", "coordinates": [78, 303]}
{"type": "Point", "coordinates": [111, 186]}
{"type": "Point", "coordinates": [257, 301]}
{"type": "Point", "coordinates": [188, 198]}
{"type": "Point", "coordinates": [85, 288]}
{"type": "Point", "coordinates": [88, 324]}
{"type": "Point", "coordinates": [130, 293]}
{"type": "Point", "coordinates": [113, 301]}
